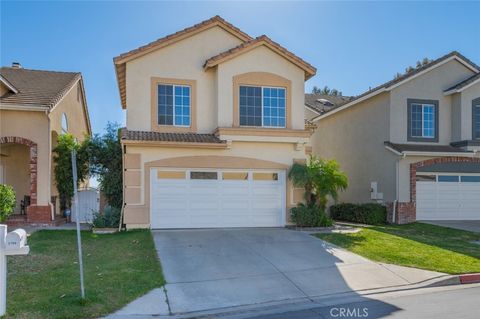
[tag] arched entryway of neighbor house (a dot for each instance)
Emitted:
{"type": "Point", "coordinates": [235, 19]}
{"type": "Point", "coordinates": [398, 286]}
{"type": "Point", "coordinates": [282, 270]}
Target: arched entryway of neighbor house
{"type": "Point", "coordinates": [18, 165]}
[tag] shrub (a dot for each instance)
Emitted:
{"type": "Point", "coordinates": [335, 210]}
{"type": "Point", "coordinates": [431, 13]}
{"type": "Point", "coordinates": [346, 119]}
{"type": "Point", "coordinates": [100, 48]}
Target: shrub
{"type": "Point", "coordinates": [7, 201]}
{"type": "Point", "coordinates": [310, 216]}
{"type": "Point", "coordinates": [110, 218]}
{"type": "Point", "coordinates": [370, 214]}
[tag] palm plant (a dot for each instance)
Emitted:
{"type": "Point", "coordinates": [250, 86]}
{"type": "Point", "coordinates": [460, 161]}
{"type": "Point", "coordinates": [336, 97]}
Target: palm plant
{"type": "Point", "coordinates": [320, 178]}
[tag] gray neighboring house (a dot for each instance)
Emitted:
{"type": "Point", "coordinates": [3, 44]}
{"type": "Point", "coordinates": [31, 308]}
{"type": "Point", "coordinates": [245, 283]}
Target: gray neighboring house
{"type": "Point", "coordinates": [411, 143]}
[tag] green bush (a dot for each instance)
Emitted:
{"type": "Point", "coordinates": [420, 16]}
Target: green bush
{"type": "Point", "coordinates": [310, 216]}
{"type": "Point", "coordinates": [110, 218]}
{"type": "Point", "coordinates": [7, 201]}
{"type": "Point", "coordinates": [370, 214]}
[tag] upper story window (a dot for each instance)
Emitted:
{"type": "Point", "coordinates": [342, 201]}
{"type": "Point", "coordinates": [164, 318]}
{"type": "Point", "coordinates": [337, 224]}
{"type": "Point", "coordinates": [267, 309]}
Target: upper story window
{"type": "Point", "coordinates": [174, 105]}
{"type": "Point", "coordinates": [476, 118]}
{"type": "Point", "coordinates": [64, 124]}
{"type": "Point", "coordinates": [262, 106]}
{"type": "Point", "coordinates": [422, 120]}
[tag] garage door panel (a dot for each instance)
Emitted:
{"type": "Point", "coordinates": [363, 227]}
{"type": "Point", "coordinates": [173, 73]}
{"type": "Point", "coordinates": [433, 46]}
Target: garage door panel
{"type": "Point", "coordinates": [448, 200]}
{"type": "Point", "coordinates": [229, 202]}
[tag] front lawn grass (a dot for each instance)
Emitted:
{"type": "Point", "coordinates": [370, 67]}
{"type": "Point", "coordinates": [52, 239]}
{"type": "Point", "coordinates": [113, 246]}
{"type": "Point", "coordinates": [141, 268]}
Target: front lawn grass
{"type": "Point", "coordinates": [45, 284]}
{"type": "Point", "coordinates": [415, 245]}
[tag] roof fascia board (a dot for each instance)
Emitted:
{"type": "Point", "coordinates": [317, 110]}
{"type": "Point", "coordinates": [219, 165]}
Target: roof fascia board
{"type": "Point", "coordinates": [174, 144]}
{"type": "Point", "coordinates": [312, 109]}
{"type": "Point", "coordinates": [8, 84]}
{"type": "Point", "coordinates": [179, 38]}
{"type": "Point", "coordinates": [23, 107]}
{"type": "Point", "coordinates": [338, 109]}
{"type": "Point", "coordinates": [460, 154]}
{"type": "Point", "coordinates": [462, 88]}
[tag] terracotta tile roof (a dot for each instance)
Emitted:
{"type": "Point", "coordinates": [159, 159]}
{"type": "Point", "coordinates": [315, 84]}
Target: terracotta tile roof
{"type": "Point", "coordinates": [263, 39]}
{"type": "Point", "coordinates": [37, 87]}
{"type": "Point", "coordinates": [464, 83]}
{"type": "Point", "coordinates": [120, 60]}
{"type": "Point", "coordinates": [408, 75]}
{"type": "Point", "coordinates": [169, 137]}
{"type": "Point", "coordinates": [314, 101]}
{"type": "Point", "coordinates": [425, 148]}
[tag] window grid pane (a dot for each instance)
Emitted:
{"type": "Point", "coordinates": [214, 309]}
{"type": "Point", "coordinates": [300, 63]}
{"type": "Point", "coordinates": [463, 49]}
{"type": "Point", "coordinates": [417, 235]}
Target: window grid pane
{"type": "Point", "coordinates": [428, 120]}
{"type": "Point", "coordinates": [274, 107]}
{"type": "Point", "coordinates": [250, 106]}
{"type": "Point", "coordinates": [416, 120]}
{"type": "Point", "coordinates": [173, 105]}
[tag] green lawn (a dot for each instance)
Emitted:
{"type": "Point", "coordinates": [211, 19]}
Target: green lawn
{"type": "Point", "coordinates": [45, 284]}
{"type": "Point", "coordinates": [415, 245]}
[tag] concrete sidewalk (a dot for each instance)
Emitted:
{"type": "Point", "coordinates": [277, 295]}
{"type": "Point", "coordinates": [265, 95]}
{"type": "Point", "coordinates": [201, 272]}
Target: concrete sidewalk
{"type": "Point", "coordinates": [213, 269]}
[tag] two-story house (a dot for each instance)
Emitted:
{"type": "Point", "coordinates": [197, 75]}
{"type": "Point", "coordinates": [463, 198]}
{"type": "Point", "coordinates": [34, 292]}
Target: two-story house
{"type": "Point", "coordinates": [214, 120]}
{"type": "Point", "coordinates": [411, 142]}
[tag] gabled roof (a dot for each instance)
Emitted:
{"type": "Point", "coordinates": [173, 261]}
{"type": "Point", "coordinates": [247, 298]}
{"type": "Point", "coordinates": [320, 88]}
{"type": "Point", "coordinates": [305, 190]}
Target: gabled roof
{"type": "Point", "coordinates": [120, 60]}
{"type": "Point", "coordinates": [387, 86]}
{"type": "Point", "coordinates": [259, 41]}
{"type": "Point", "coordinates": [316, 102]}
{"type": "Point", "coordinates": [9, 85]}
{"type": "Point", "coordinates": [463, 85]}
{"type": "Point", "coordinates": [37, 88]}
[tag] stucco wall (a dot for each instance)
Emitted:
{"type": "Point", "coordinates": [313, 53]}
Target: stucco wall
{"type": "Point", "coordinates": [15, 162]}
{"type": "Point", "coordinates": [468, 95]}
{"type": "Point", "coordinates": [182, 60]}
{"type": "Point", "coordinates": [355, 138]}
{"type": "Point", "coordinates": [431, 86]}
{"type": "Point", "coordinates": [457, 117]}
{"type": "Point", "coordinates": [32, 126]}
{"type": "Point", "coordinates": [72, 106]}
{"type": "Point", "coordinates": [136, 214]}
{"type": "Point", "coordinates": [260, 59]}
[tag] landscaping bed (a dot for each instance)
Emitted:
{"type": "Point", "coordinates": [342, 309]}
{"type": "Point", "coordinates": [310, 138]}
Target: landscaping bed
{"type": "Point", "coordinates": [414, 245]}
{"type": "Point", "coordinates": [45, 284]}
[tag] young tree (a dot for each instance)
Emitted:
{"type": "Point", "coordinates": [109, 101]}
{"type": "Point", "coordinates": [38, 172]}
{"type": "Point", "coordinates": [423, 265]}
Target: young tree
{"type": "Point", "coordinates": [320, 178]}
{"type": "Point", "coordinates": [63, 166]}
{"type": "Point", "coordinates": [106, 162]}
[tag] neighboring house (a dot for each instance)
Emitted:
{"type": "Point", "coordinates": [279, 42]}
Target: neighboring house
{"type": "Point", "coordinates": [412, 141]}
{"type": "Point", "coordinates": [35, 108]}
{"type": "Point", "coordinates": [317, 104]}
{"type": "Point", "coordinates": [214, 120]}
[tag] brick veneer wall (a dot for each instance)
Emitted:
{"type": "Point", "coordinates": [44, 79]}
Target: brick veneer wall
{"type": "Point", "coordinates": [406, 211]}
{"type": "Point", "coordinates": [35, 213]}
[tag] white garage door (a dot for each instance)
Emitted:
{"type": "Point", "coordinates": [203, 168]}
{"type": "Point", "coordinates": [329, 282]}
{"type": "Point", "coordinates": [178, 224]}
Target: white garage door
{"type": "Point", "coordinates": [448, 197]}
{"type": "Point", "coordinates": [190, 198]}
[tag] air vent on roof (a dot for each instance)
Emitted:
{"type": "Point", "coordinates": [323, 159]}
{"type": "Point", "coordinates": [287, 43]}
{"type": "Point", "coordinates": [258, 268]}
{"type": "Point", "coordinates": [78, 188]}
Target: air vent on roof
{"type": "Point", "coordinates": [325, 102]}
{"type": "Point", "coordinates": [16, 65]}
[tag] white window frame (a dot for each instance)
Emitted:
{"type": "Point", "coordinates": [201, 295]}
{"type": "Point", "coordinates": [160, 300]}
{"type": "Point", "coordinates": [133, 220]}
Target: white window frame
{"type": "Point", "coordinates": [189, 106]}
{"type": "Point", "coordinates": [264, 87]}
{"type": "Point", "coordinates": [424, 105]}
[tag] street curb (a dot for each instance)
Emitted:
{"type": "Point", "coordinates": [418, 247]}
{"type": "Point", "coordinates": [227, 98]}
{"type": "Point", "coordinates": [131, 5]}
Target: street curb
{"type": "Point", "coordinates": [456, 280]}
{"type": "Point", "coordinates": [469, 278]}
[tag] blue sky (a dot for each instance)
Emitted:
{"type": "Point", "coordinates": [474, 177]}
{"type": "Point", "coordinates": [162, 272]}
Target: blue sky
{"type": "Point", "coordinates": [354, 45]}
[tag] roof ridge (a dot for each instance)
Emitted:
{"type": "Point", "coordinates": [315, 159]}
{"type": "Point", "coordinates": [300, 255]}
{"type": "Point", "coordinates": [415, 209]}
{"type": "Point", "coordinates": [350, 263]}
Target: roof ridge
{"type": "Point", "coordinates": [38, 70]}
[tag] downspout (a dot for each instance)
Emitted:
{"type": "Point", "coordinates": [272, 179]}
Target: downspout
{"type": "Point", "coordinates": [49, 200]}
{"type": "Point", "coordinates": [123, 189]}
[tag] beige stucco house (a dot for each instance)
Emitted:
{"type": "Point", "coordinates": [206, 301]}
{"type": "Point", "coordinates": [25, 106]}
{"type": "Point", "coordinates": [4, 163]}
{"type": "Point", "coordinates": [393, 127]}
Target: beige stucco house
{"type": "Point", "coordinates": [35, 108]}
{"type": "Point", "coordinates": [411, 143]}
{"type": "Point", "coordinates": [214, 120]}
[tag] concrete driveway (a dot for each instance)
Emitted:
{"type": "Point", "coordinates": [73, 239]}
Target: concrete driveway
{"type": "Point", "coordinates": [211, 269]}
{"type": "Point", "coordinates": [469, 225]}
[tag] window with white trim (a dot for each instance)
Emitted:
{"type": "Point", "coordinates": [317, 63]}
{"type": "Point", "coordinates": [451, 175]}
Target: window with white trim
{"type": "Point", "coordinates": [262, 106]}
{"type": "Point", "coordinates": [174, 105]}
{"type": "Point", "coordinates": [476, 118]}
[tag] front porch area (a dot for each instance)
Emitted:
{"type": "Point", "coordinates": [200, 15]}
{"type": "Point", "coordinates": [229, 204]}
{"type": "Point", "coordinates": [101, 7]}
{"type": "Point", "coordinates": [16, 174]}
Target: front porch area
{"type": "Point", "coordinates": [18, 168]}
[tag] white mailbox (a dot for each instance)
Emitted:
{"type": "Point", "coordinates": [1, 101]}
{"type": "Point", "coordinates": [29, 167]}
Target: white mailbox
{"type": "Point", "coordinates": [16, 243]}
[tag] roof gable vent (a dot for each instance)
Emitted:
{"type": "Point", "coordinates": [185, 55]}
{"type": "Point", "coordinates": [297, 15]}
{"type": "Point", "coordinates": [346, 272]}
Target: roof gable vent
{"type": "Point", "coordinates": [325, 102]}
